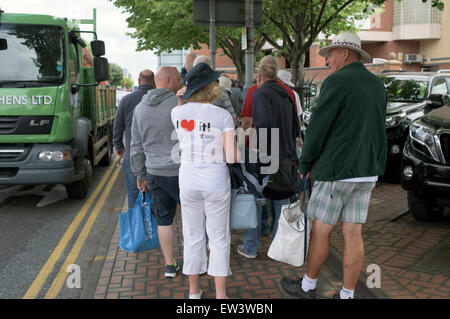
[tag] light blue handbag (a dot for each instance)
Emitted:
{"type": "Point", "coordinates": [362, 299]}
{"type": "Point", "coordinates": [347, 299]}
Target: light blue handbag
{"type": "Point", "coordinates": [243, 213]}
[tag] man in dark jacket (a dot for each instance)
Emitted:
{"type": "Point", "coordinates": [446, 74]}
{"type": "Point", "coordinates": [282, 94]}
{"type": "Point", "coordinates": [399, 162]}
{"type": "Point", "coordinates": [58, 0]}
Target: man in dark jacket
{"type": "Point", "coordinates": [274, 112]}
{"type": "Point", "coordinates": [122, 124]}
{"type": "Point", "coordinates": [345, 152]}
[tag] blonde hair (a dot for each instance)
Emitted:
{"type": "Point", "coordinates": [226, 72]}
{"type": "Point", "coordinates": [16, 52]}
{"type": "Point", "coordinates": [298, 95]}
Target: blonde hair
{"type": "Point", "coordinates": [209, 92]}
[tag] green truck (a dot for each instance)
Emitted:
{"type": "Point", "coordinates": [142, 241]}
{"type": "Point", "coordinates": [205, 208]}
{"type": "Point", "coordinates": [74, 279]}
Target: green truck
{"type": "Point", "coordinates": [56, 112]}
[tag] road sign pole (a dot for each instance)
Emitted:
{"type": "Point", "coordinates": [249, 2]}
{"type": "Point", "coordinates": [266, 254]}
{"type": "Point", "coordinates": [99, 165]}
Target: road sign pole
{"type": "Point", "coordinates": [250, 52]}
{"type": "Point", "coordinates": [212, 31]}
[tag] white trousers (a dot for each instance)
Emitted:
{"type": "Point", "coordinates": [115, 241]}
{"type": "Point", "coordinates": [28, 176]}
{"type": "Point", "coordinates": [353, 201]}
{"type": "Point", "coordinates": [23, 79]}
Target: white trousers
{"type": "Point", "coordinates": [208, 211]}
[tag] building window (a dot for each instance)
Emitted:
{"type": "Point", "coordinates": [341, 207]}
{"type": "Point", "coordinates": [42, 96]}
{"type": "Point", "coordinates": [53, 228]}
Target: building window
{"type": "Point", "coordinates": [415, 12]}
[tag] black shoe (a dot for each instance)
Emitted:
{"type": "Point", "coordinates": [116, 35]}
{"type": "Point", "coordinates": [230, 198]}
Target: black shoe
{"type": "Point", "coordinates": [171, 270]}
{"type": "Point", "coordinates": [294, 287]}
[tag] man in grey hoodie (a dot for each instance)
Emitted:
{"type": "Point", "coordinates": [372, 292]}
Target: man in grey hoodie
{"type": "Point", "coordinates": [151, 161]}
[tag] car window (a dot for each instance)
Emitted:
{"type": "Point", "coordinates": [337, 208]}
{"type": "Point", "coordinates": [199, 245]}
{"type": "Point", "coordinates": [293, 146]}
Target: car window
{"type": "Point", "coordinates": [405, 89]}
{"type": "Point", "coordinates": [448, 82]}
{"type": "Point", "coordinates": [439, 86]}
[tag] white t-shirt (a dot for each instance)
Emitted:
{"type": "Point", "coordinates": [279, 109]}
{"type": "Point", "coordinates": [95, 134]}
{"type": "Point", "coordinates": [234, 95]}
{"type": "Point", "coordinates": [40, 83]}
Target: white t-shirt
{"type": "Point", "coordinates": [199, 128]}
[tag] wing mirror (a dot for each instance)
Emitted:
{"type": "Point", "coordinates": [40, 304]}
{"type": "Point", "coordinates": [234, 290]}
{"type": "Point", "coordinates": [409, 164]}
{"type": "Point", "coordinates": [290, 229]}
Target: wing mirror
{"type": "Point", "coordinates": [3, 44]}
{"type": "Point", "coordinates": [437, 100]}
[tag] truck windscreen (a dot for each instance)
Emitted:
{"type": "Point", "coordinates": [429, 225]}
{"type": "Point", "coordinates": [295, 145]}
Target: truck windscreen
{"type": "Point", "coordinates": [34, 54]}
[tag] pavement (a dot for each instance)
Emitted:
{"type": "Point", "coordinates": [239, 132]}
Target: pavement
{"type": "Point", "coordinates": [412, 259]}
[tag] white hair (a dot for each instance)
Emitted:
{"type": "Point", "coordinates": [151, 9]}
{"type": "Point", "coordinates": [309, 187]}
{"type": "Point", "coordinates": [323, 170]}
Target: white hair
{"type": "Point", "coordinates": [268, 59]}
{"type": "Point", "coordinates": [203, 59]}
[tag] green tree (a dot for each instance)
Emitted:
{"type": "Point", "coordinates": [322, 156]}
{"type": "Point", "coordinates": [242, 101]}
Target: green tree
{"type": "Point", "coordinates": [128, 83]}
{"type": "Point", "coordinates": [299, 22]}
{"type": "Point", "coordinates": [115, 74]}
{"type": "Point", "coordinates": [166, 25]}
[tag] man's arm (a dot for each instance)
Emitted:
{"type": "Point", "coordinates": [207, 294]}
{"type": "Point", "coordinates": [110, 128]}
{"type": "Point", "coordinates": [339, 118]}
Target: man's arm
{"type": "Point", "coordinates": [119, 128]}
{"type": "Point", "coordinates": [246, 113]}
{"type": "Point", "coordinates": [137, 155]}
{"type": "Point", "coordinates": [321, 121]}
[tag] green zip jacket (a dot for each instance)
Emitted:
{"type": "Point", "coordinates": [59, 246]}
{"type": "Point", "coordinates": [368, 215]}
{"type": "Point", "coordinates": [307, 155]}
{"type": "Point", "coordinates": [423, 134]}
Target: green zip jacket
{"type": "Point", "coordinates": [346, 136]}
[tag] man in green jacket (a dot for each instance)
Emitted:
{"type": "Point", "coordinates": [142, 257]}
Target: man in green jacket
{"type": "Point", "coordinates": [344, 151]}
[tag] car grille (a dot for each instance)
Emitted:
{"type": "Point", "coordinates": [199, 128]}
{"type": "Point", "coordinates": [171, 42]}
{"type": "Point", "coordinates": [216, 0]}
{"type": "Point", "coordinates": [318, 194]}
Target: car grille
{"type": "Point", "coordinates": [445, 146]}
{"type": "Point", "coordinates": [14, 152]}
{"type": "Point", "coordinates": [8, 124]}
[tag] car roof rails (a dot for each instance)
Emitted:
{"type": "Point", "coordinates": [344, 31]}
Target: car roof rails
{"type": "Point", "coordinates": [444, 71]}
{"type": "Point", "coordinates": [392, 71]}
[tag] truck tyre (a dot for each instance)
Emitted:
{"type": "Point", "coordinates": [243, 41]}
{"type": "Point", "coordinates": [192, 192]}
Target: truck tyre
{"type": "Point", "coordinates": [106, 160]}
{"type": "Point", "coordinates": [424, 209]}
{"type": "Point", "coordinates": [79, 189]}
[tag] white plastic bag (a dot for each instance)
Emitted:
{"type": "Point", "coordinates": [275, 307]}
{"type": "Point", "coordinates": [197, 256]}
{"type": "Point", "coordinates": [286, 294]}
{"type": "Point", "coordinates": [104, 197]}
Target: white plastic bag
{"type": "Point", "coordinates": [291, 241]}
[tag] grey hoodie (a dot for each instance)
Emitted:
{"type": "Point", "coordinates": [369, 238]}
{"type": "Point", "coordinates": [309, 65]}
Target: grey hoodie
{"type": "Point", "coordinates": [151, 131]}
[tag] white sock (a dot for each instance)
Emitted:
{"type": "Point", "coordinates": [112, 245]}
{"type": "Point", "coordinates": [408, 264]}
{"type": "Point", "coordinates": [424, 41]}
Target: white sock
{"type": "Point", "coordinates": [308, 283]}
{"type": "Point", "coordinates": [347, 294]}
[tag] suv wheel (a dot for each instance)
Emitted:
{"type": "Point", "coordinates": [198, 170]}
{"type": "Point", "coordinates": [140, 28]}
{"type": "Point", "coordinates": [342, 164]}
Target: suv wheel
{"type": "Point", "coordinates": [424, 209]}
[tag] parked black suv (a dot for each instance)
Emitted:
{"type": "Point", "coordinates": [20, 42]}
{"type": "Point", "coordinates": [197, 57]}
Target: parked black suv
{"type": "Point", "coordinates": [408, 94]}
{"type": "Point", "coordinates": [426, 164]}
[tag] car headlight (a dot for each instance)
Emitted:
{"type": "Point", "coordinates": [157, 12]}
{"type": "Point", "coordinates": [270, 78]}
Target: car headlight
{"type": "Point", "coordinates": [57, 156]}
{"type": "Point", "coordinates": [425, 135]}
{"type": "Point", "coordinates": [395, 120]}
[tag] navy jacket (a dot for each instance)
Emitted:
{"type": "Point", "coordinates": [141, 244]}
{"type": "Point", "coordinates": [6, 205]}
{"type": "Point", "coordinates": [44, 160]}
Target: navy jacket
{"type": "Point", "coordinates": [124, 118]}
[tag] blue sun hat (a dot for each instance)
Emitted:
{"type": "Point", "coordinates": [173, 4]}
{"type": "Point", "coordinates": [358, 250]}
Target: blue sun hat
{"type": "Point", "coordinates": [198, 77]}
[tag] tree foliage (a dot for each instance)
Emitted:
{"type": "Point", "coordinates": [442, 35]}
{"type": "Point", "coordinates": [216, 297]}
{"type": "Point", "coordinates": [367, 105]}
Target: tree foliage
{"type": "Point", "coordinates": [299, 23]}
{"type": "Point", "coordinates": [166, 25]}
{"type": "Point", "coordinates": [128, 83]}
{"type": "Point", "coordinates": [115, 74]}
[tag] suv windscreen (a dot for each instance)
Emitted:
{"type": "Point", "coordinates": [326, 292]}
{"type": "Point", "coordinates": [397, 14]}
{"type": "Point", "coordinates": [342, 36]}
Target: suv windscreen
{"type": "Point", "coordinates": [405, 90]}
{"type": "Point", "coordinates": [34, 53]}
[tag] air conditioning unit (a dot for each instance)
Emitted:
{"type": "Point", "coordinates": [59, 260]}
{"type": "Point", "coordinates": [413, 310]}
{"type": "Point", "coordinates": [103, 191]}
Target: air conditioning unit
{"type": "Point", "coordinates": [413, 58]}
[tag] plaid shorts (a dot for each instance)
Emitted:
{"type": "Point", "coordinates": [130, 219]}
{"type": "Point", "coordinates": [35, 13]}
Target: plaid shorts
{"type": "Point", "coordinates": [349, 200]}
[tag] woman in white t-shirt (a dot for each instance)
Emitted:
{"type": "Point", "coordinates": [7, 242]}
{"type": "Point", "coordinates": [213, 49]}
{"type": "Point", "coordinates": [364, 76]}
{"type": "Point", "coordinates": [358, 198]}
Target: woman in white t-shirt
{"type": "Point", "coordinates": [207, 142]}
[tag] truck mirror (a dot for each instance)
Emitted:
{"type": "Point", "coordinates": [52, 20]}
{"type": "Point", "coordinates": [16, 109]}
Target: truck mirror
{"type": "Point", "coordinates": [101, 69]}
{"type": "Point", "coordinates": [3, 44]}
{"type": "Point", "coordinates": [98, 47]}
{"type": "Point", "coordinates": [76, 39]}
{"type": "Point", "coordinates": [437, 100]}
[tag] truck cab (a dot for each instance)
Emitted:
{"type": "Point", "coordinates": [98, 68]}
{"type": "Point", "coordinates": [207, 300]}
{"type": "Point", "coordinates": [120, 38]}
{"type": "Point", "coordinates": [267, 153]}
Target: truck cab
{"type": "Point", "coordinates": [53, 111]}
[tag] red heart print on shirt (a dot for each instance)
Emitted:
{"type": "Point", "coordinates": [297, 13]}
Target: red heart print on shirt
{"type": "Point", "coordinates": [187, 125]}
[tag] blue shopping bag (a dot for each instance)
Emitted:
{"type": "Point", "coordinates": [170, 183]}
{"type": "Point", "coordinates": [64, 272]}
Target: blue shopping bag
{"type": "Point", "coordinates": [138, 227]}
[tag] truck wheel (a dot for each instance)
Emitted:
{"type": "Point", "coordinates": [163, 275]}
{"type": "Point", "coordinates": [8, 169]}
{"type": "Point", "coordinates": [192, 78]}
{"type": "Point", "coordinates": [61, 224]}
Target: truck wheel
{"type": "Point", "coordinates": [424, 209]}
{"type": "Point", "coordinates": [79, 189]}
{"type": "Point", "coordinates": [106, 160]}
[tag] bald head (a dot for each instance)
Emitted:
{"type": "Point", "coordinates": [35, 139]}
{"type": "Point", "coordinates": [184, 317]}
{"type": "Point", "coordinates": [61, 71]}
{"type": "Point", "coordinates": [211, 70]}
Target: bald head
{"type": "Point", "coordinates": [189, 61]}
{"type": "Point", "coordinates": [168, 77]}
{"type": "Point", "coordinates": [146, 77]}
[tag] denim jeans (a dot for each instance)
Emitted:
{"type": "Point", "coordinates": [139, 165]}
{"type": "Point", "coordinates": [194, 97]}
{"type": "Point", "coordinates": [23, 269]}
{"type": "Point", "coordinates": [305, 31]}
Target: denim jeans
{"type": "Point", "coordinates": [252, 236]}
{"type": "Point", "coordinates": [265, 227]}
{"type": "Point", "coordinates": [130, 183]}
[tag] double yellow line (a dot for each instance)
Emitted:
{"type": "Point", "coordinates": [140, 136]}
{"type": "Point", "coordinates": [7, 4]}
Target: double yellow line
{"type": "Point", "coordinates": [55, 288]}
